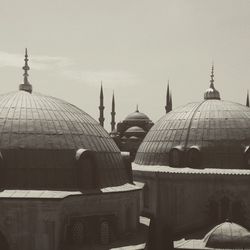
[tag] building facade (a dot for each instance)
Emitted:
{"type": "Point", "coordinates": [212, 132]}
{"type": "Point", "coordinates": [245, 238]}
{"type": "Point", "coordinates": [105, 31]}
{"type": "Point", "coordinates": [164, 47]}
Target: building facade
{"type": "Point", "coordinates": [63, 180]}
{"type": "Point", "coordinates": [194, 164]}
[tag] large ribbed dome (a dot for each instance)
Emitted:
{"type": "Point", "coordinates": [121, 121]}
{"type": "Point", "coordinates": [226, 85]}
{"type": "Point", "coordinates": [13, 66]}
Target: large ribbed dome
{"type": "Point", "coordinates": [39, 137]}
{"type": "Point", "coordinates": [219, 130]}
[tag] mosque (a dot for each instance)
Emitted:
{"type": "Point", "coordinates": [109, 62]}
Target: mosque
{"type": "Point", "coordinates": [64, 183]}
{"type": "Point", "coordinates": [67, 185]}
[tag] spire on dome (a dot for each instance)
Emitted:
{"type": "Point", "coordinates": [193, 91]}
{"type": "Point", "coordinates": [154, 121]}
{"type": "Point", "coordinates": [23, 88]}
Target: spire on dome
{"type": "Point", "coordinates": [137, 109]}
{"type": "Point", "coordinates": [211, 92]}
{"type": "Point", "coordinates": [26, 86]}
{"type": "Point", "coordinates": [247, 101]}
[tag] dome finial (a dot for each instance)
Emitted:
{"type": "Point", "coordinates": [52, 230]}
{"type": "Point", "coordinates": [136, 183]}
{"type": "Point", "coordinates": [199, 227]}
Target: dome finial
{"type": "Point", "coordinates": [26, 86]}
{"type": "Point", "coordinates": [212, 77]}
{"type": "Point", "coordinates": [137, 109]}
{"type": "Point", "coordinates": [211, 92]}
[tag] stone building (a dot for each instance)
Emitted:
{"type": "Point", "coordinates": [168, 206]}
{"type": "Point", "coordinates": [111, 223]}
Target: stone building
{"type": "Point", "coordinates": [194, 164]}
{"type": "Point", "coordinates": [63, 180]}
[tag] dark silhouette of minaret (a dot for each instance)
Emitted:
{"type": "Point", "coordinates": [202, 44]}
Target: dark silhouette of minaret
{"type": "Point", "coordinates": [113, 113]}
{"type": "Point", "coordinates": [168, 106]}
{"type": "Point", "coordinates": [247, 102]}
{"type": "Point", "coordinates": [26, 86]}
{"type": "Point", "coordinates": [101, 108]}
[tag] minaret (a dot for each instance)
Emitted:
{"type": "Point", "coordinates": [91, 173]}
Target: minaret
{"type": "Point", "coordinates": [113, 113]}
{"type": "Point", "coordinates": [101, 108]}
{"type": "Point", "coordinates": [168, 106]}
{"type": "Point", "coordinates": [26, 86]}
{"type": "Point", "coordinates": [247, 102]}
{"type": "Point", "coordinates": [170, 102]}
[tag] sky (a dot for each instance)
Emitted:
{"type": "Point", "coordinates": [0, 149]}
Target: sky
{"type": "Point", "coordinates": [133, 46]}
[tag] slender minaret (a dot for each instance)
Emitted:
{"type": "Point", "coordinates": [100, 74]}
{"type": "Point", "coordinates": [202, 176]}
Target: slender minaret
{"type": "Point", "coordinates": [113, 113]}
{"type": "Point", "coordinates": [170, 102]}
{"type": "Point", "coordinates": [168, 106]}
{"type": "Point", "coordinates": [26, 86]}
{"type": "Point", "coordinates": [247, 102]}
{"type": "Point", "coordinates": [101, 108]}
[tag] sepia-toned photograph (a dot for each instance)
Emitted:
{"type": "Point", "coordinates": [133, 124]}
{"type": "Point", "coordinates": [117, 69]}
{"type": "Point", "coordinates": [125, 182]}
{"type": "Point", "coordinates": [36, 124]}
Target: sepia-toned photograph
{"type": "Point", "coordinates": [124, 124]}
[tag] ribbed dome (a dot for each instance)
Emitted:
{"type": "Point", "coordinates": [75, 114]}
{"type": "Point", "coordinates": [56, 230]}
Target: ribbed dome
{"type": "Point", "coordinates": [219, 129]}
{"type": "Point", "coordinates": [39, 136]}
{"type": "Point", "coordinates": [228, 235]}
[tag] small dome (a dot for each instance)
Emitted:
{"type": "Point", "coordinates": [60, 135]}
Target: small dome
{"type": "Point", "coordinates": [228, 235]}
{"type": "Point", "coordinates": [135, 129]}
{"type": "Point", "coordinates": [211, 93]}
{"type": "Point", "coordinates": [134, 138]}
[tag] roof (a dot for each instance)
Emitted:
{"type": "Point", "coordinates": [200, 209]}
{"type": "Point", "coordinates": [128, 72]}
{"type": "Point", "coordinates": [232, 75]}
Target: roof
{"type": "Point", "coordinates": [42, 133]}
{"type": "Point", "coordinates": [220, 129]}
{"type": "Point", "coordinates": [173, 170]}
{"type": "Point", "coordinates": [55, 194]}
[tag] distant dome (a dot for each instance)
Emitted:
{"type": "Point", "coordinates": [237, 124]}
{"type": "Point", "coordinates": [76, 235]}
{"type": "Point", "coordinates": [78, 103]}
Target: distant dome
{"type": "Point", "coordinates": [39, 138]}
{"type": "Point", "coordinates": [137, 116]}
{"type": "Point", "coordinates": [228, 235]}
{"type": "Point", "coordinates": [135, 129]}
{"type": "Point", "coordinates": [134, 138]}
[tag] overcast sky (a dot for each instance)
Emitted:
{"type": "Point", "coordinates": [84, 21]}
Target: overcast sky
{"type": "Point", "coordinates": [133, 46]}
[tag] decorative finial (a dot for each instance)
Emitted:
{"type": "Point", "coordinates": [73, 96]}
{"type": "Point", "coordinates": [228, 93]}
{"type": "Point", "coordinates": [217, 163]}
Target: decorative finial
{"type": "Point", "coordinates": [212, 77]}
{"type": "Point", "coordinates": [26, 86]}
{"type": "Point", "coordinates": [137, 109]}
{"type": "Point", "coordinates": [211, 92]}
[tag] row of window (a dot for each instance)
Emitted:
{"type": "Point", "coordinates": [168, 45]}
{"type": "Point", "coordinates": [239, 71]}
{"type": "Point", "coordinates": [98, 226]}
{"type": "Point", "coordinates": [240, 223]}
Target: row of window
{"type": "Point", "coordinates": [193, 157]}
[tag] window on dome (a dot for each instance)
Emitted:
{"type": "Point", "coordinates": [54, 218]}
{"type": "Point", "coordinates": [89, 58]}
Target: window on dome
{"type": "Point", "coordinates": [194, 158]}
{"type": "Point", "coordinates": [175, 158]}
{"type": "Point", "coordinates": [86, 169]}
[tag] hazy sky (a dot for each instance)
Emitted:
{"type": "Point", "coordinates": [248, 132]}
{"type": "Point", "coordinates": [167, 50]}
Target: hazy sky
{"type": "Point", "coordinates": [133, 46]}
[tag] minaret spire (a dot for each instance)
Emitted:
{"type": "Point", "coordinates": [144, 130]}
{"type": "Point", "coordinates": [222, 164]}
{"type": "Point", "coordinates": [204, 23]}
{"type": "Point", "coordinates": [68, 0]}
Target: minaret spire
{"type": "Point", "coordinates": [26, 86]}
{"type": "Point", "coordinates": [247, 101]}
{"type": "Point", "coordinates": [113, 113]}
{"type": "Point", "coordinates": [168, 106]}
{"type": "Point", "coordinates": [101, 107]}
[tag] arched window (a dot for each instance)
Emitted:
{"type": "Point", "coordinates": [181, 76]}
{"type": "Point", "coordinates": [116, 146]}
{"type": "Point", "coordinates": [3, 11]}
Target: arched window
{"type": "Point", "coordinates": [77, 233]}
{"type": "Point", "coordinates": [86, 169]}
{"type": "Point", "coordinates": [175, 157]}
{"type": "Point", "coordinates": [146, 196]}
{"type": "Point", "coordinates": [194, 158]}
{"type": "Point", "coordinates": [104, 232]}
{"type": "Point", "coordinates": [247, 157]}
